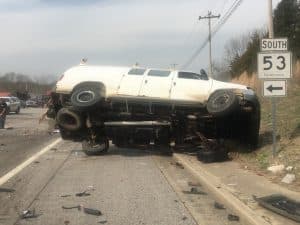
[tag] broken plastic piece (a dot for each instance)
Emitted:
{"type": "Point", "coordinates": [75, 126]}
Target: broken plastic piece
{"type": "Point", "coordinates": [219, 205]}
{"type": "Point", "coordinates": [195, 191]}
{"type": "Point", "coordinates": [282, 205]}
{"type": "Point", "coordinates": [82, 194]}
{"type": "Point", "coordinates": [72, 207]}
{"type": "Point", "coordinates": [90, 211]}
{"type": "Point", "coordinates": [26, 214]}
{"type": "Point", "coordinates": [232, 217]}
{"type": "Point", "coordinates": [64, 196]}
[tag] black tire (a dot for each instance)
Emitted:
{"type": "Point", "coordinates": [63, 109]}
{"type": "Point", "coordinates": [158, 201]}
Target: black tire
{"type": "Point", "coordinates": [87, 96]}
{"type": "Point", "coordinates": [222, 103]}
{"type": "Point", "coordinates": [69, 119]}
{"type": "Point", "coordinates": [98, 149]}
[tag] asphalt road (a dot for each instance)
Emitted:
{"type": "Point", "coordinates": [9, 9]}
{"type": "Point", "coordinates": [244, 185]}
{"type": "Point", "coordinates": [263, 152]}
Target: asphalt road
{"type": "Point", "coordinates": [128, 186]}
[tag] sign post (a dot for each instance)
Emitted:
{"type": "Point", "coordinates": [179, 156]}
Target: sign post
{"type": "Point", "coordinates": [274, 67]}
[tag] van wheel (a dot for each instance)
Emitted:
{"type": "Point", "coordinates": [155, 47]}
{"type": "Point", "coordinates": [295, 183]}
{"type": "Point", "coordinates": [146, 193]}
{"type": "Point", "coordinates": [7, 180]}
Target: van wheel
{"type": "Point", "coordinates": [90, 148]}
{"type": "Point", "coordinates": [86, 96]}
{"type": "Point", "coordinates": [69, 119]}
{"type": "Point", "coordinates": [222, 103]}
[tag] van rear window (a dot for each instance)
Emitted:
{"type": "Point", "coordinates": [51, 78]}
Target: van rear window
{"type": "Point", "coordinates": [159, 73]}
{"type": "Point", "coordinates": [137, 71]}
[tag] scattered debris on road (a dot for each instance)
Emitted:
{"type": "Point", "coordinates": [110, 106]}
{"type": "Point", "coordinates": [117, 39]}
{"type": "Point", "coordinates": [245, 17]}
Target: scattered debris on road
{"type": "Point", "coordinates": [232, 217]}
{"type": "Point", "coordinates": [82, 194]}
{"type": "Point", "coordinates": [177, 164]}
{"type": "Point", "coordinates": [103, 221]}
{"type": "Point", "coordinates": [8, 190]}
{"type": "Point", "coordinates": [218, 205]}
{"type": "Point", "coordinates": [289, 178]}
{"type": "Point", "coordinates": [276, 168]}
{"type": "Point", "coordinates": [195, 191]}
{"type": "Point", "coordinates": [90, 211]}
{"type": "Point", "coordinates": [282, 205]}
{"type": "Point", "coordinates": [65, 196]}
{"type": "Point", "coordinates": [27, 214]}
{"type": "Point", "coordinates": [72, 207]}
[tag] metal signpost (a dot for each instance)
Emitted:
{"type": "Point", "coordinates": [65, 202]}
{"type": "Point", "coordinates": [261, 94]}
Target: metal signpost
{"type": "Point", "coordinates": [274, 67]}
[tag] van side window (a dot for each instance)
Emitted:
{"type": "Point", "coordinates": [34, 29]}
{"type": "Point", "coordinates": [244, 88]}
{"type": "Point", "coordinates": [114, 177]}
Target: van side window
{"type": "Point", "coordinates": [193, 76]}
{"type": "Point", "coordinates": [159, 73]}
{"type": "Point", "coordinates": [137, 71]}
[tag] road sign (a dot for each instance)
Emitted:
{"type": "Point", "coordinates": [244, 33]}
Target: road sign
{"type": "Point", "coordinates": [274, 88]}
{"type": "Point", "coordinates": [274, 65]}
{"type": "Point", "coordinates": [274, 44]}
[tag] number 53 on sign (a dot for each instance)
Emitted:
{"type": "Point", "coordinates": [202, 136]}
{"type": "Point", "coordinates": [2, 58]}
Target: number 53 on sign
{"type": "Point", "coordinates": [274, 65]}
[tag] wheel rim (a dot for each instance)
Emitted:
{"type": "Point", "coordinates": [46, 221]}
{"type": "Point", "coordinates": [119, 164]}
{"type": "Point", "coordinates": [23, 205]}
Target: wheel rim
{"type": "Point", "coordinates": [85, 96]}
{"type": "Point", "coordinates": [221, 100]}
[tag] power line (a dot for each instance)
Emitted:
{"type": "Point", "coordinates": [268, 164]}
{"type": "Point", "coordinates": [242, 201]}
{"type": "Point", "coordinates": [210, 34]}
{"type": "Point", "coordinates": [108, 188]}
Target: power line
{"type": "Point", "coordinates": [223, 20]}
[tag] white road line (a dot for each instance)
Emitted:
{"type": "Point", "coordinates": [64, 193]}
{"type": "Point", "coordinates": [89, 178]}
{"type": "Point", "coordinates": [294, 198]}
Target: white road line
{"type": "Point", "coordinates": [20, 167]}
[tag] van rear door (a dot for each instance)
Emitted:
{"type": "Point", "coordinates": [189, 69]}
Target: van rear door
{"type": "Point", "coordinates": [131, 82]}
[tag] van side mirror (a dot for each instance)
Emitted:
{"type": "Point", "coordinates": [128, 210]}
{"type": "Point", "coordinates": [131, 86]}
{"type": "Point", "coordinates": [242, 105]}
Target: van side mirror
{"type": "Point", "coordinates": [203, 74]}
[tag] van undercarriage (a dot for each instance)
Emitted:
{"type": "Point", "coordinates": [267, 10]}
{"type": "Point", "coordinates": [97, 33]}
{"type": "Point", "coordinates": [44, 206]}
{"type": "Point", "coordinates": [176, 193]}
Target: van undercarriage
{"type": "Point", "coordinates": [127, 121]}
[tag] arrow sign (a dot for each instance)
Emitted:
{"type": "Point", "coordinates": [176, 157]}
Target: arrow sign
{"type": "Point", "coordinates": [274, 88]}
{"type": "Point", "coordinates": [271, 88]}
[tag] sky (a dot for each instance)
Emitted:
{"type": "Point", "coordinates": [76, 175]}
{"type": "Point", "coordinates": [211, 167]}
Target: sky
{"type": "Point", "coordinates": [46, 37]}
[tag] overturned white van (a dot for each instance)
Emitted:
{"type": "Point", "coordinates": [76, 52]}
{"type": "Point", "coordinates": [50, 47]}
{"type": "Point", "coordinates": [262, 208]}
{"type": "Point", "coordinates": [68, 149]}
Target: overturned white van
{"type": "Point", "coordinates": [138, 105]}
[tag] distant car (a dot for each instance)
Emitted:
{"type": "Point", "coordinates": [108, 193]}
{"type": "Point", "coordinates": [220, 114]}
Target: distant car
{"type": "Point", "coordinates": [13, 104]}
{"type": "Point", "coordinates": [31, 103]}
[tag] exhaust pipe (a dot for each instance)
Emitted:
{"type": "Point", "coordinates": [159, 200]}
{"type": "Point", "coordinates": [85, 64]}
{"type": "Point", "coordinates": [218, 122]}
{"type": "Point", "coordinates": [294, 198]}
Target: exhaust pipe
{"type": "Point", "coordinates": [69, 120]}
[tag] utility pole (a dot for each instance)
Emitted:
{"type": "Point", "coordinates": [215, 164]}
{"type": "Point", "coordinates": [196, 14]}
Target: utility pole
{"type": "Point", "coordinates": [271, 35]}
{"type": "Point", "coordinates": [209, 17]}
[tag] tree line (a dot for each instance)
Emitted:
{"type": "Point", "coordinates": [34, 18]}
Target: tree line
{"type": "Point", "coordinates": [241, 52]}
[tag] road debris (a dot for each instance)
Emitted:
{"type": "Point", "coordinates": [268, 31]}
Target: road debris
{"type": "Point", "coordinates": [66, 222]}
{"type": "Point", "coordinates": [90, 211]}
{"type": "Point", "coordinates": [177, 164]}
{"type": "Point", "coordinates": [289, 168]}
{"type": "Point", "coordinates": [103, 221]}
{"type": "Point", "coordinates": [289, 178]}
{"type": "Point", "coordinates": [72, 207]}
{"type": "Point", "coordinates": [65, 196]}
{"type": "Point", "coordinates": [232, 217]}
{"type": "Point", "coordinates": [36, 162]}
{"type": "Point", "coordinates": [218, 205]}
{"type": "Point", "coordinates": [276, 168]}
{"type": "Point", "coordinates": [82, 194]}
{"type": "Point", "coordinates": [195, 191]}
{"type": "Point", "coordinates": [8, 190]}
{"type": "Point", "coordinates": [27, 214]}
{"type": "Point", "coordinates": [184, 218]}
{"type": "Point", "coordinates": [282, 205]}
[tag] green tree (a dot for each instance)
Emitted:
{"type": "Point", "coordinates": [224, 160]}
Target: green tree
{"type": "Point", "coordinates": [287, 23]}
